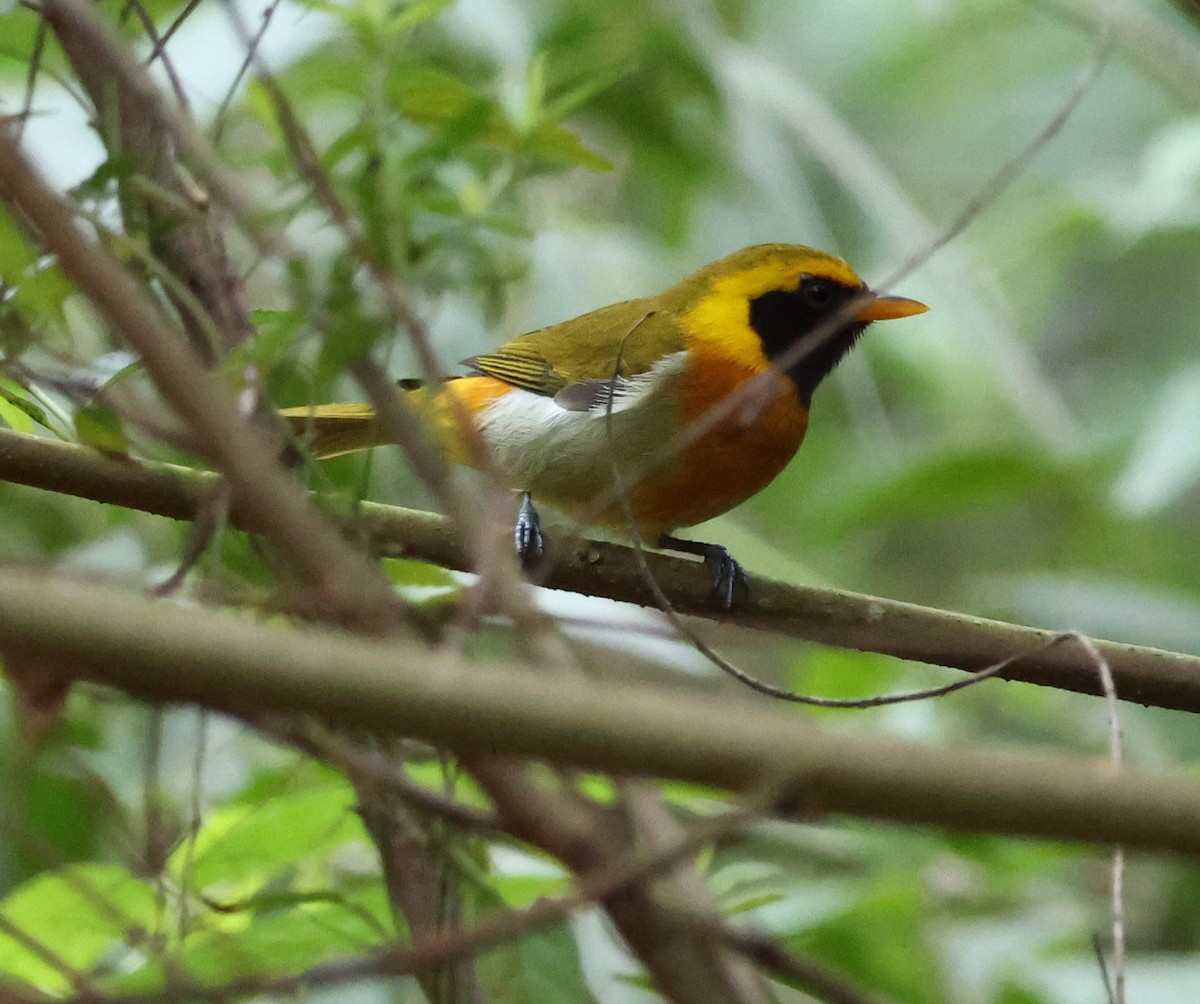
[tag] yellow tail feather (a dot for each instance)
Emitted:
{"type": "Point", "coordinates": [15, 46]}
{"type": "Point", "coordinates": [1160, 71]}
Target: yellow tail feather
{"type": "Point", "coordinates": [330, 430]}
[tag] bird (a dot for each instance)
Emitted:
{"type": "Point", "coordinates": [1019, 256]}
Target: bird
{"type": "Point", "coordinates": [581, 414]}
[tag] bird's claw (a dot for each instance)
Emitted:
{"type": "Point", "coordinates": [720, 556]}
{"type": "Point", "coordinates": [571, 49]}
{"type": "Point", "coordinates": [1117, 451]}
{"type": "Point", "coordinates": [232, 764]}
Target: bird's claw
{"type": "Point", "coordinates": [527, 534]}
{"type": "Point", "coordinates": [729, 579]}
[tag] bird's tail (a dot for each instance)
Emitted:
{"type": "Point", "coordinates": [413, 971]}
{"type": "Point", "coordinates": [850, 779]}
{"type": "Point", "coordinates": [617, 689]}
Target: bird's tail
{"type": "Point", "coordinates": [330, 430]}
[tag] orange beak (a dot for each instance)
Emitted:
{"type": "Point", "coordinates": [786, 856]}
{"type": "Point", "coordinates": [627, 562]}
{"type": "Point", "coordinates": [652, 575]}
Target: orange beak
{"type": "Point", "coordinates": [887, 308]}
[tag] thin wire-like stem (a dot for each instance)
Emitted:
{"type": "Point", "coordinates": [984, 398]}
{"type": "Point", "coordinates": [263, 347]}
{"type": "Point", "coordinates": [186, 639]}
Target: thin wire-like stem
{"type": "Point", "coordinates": [718, 660]}
{"type": "Point", "coordinates": [1011, 169]}
{"type": "Point", "coordinates": [1115, 989]}
{"type": "Point", "coordinates": [196, 814]}
{"type": "Point", "coordinates": [161, 41]}
{"type": "Point", "coordinates": [31, 75]}
{"type": "Point", "coordinates": [252, 42]}
{"type": "Point", "coordinates": [159, 50]}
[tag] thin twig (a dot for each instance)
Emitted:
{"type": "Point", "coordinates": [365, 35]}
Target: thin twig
{"type": "Point", "coordinates": [252, 42]}
{"type": "Point", "coordinates": [1011, 169]}
{"type": "Point", "coordinates": [31, 75]}
{"type": "Point", "coordinates": [1116, 990]}
{"type": "Point", "coordinates": [159, 49]}
{"type": "Point", "coordinates": [350, 759]}
{"type": "Point", "coordinates": [211, 518]}
{"type": "Point", "coordinates": [195, 820]}
{"type": "Point", "coordinates": [181, 17]}
{"type": "Point", "coordinates": [1110, 996]}
{"type": "Point", "coordinates": [155, 843]}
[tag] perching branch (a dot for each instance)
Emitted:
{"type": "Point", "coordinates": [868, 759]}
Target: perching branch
{"type": "Point", "coordinates": [1144, 675]}
{"type": "Point", "coordinates": [162, 652]}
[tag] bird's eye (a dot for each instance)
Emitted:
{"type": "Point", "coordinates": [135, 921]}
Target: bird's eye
{"type": "Point", "coordinates": [817, 293]}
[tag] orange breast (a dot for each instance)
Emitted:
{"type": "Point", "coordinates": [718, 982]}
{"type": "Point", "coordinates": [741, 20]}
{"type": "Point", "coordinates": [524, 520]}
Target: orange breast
{"type": "Point", "coordinates": [722, 468]}
{"type": "Point", "coordinates": [733, 460]}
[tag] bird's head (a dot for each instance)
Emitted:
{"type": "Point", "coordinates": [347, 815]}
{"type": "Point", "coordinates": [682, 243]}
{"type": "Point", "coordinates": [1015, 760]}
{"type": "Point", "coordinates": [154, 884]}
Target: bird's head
{"type": "Point", "coordinates": [786, 302]}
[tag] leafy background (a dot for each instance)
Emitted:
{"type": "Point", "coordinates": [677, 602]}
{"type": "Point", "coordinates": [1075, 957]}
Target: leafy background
{"type": "Point", "coordinates": [1028, 450]}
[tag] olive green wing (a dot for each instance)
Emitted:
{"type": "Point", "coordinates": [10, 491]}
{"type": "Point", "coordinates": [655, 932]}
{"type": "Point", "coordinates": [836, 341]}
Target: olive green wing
{"type": "Point", "coordinates": [574, 361]}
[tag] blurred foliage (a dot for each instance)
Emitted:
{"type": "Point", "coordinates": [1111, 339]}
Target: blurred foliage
{"type": "Point", "coordinates": [1027, 450]}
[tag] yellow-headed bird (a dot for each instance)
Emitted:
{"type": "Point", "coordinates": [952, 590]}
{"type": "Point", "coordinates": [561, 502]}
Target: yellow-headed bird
{"type": "Point", "coordinates": [544, 401]}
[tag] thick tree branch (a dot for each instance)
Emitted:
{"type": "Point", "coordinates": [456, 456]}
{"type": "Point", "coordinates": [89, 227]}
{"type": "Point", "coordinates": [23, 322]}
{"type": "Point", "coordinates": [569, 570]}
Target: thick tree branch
{"type": "Point", "coordinates": [851, 620]}
{"type": "Point", "coordinates": [163, 652]}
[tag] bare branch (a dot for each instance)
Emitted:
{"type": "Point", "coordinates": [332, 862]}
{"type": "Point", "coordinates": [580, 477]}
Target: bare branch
{"type": "Point", "coordinates": [596, 568]}
{"type": "Point", "coordinates": [166, 653]}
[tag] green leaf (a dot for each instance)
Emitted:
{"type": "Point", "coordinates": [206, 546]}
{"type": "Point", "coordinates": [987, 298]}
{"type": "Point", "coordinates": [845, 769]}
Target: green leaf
{"type": "Point", "coordinates": [414, 14]}
{"type": "Point", "coordinates": [16, 253]}
{"type": "Point", "coordinates": [557, 148]}
{"type": "Point", "coordinates": [99, 426]}
{"type": "Point", "coordinates": [579, 94]}
{"type": "Point", "coordinates": [520, 877]}
{"type": "Point", "coordinates": [81, 913]}
{"type": "Point", "coordinates": [241, 847]}
{"type": "Point", "coordinates": [827, 672]}
{"type": "Point", "coordinates": [17, 411]}
{"type": "Point", "coordinates": [893, 956]}
{"type": "Point", "coordinates": [276, 942]}
{"type": "Point", "coordinates": [428, 95]}
{"type": "Point", "coordinates": [275, 333]}
{"type": "Point", "coordinates": [422, 583]}
{"type": "Point", "coordinates": [352, 330]}
{"type": "Point", "coordinates": [539, 967]}
{"type": "Point", "coordinates": [44, 291]}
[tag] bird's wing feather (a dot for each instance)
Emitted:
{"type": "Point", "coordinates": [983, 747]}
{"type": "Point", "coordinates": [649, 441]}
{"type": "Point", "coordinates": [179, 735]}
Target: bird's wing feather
{"type": "Point", "coordinates": [567, 361]}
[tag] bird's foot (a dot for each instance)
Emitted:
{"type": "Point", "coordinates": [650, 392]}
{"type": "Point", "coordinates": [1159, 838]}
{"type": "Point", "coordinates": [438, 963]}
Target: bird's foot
{"type": "Point", "coordinates": [527, 534]}
{"type": "Point", "coordinates": [728, 577]}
